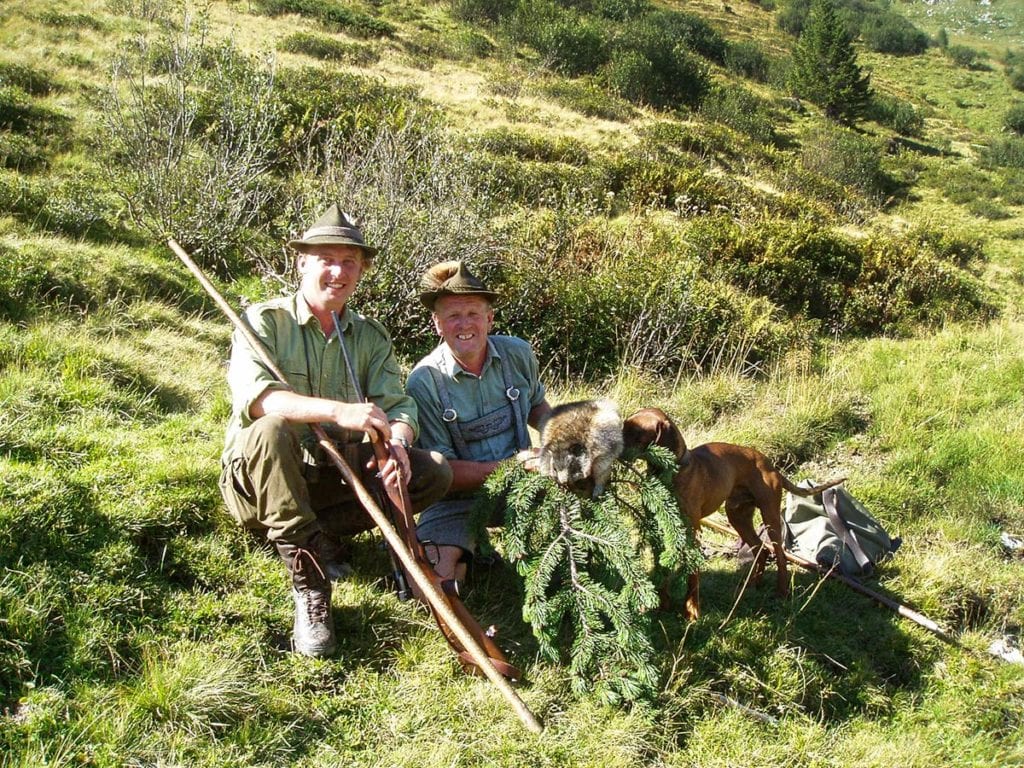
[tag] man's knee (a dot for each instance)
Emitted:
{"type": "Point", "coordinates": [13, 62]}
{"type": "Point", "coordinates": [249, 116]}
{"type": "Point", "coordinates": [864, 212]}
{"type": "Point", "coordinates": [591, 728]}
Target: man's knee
{"type": "Point", "coordinates": [269, 434]}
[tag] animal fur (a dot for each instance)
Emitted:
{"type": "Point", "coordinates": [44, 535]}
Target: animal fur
{"type": "Point", "coordinates": [715, 473]}
{"type": "Point", "coordinates": [579, 444]}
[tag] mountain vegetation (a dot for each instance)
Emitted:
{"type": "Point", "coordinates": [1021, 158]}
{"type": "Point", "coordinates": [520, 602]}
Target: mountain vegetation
{"type": "Point", "coordinates": [675, 215]}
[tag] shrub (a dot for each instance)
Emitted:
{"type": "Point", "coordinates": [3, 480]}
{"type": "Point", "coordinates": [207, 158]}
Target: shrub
{"type": "Point", "coordinates": [525, 145]}
{"type": "Point", "coordinates": [482, 11]}
{"type": "Point", "coordinates": [570, 43]}
{"type": "Point", "coordinates": [20, 113]}
{"type": "Point", "coordinates": [691, 31]}
{"type": "Point", "coordinates": [747, 59]}
{"type": "Point", "coordinates": [1007, 152]}
{"type": "Point", "coordinates": [587, 311]}
{"type": "Point", "coordinates": [621, 10]}
{"type": "Point", "coordinates": [897, 114]}
{"type": "Point", "coordinates": [894, 34]}
{"type": "Point", "coordinates": [1014, 119]}
{"type": "Point", "coordinates": [29, 79]}
{"type": "Point", "coordinates": [194, 150]}
{"type": "Point", "coordinates": [71, 20]}
{"type": "Point", "coordinates": [846, 158]}
{"type": "Point", "coordinates": [904, 284]}
{"type": "Point", "coordinates": [575, 46]}
{"type": "Point", "coordinates": [587, 97]}
{"type": "Point", "coordinates": [330, 13]}
{"type": "Point", "coordinates": [20, 152]}
{"type": "Point", "coordinates": [327, 48]}
{"type": "Point", "coordinates": [741, 110]}
{"type": "Point", "coordinates": [802, 268]}
{"type": "Point", "coordinates": [965, 56]}
{"type": "Point", "coordinates": [654, 66]}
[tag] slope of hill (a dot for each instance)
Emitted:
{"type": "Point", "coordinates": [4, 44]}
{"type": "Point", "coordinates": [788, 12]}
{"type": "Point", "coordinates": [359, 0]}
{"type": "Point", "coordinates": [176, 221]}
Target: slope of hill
{"type": "Point", "coordinates": [847, 299]}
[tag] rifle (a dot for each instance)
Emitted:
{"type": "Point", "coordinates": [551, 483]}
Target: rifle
{"type": "Point", "coordinates": [452, 617]}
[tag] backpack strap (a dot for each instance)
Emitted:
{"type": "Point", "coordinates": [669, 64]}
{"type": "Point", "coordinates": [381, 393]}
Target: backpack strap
{"type": "Point", "coordinates": [849, 539]}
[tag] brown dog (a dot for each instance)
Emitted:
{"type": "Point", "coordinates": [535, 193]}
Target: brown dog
{"type": "Point", "coordinates": [716, 473]}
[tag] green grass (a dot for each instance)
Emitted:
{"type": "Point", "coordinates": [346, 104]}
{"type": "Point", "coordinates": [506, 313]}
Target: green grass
{"type": "Point", "coordinates": [140, 626]}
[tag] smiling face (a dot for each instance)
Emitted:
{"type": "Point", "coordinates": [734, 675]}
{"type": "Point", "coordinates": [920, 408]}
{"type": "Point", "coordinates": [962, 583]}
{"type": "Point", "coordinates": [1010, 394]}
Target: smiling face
{"type": "Point", "coordinates": [464, 322]}
{"type": "Point", "coordinates": [329, 274]}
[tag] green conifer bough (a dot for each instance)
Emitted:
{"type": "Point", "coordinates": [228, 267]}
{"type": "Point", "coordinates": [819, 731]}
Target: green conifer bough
{"type": "Point", "coordinates": [590, 567]}
{"type": "Point", "coordinates": [825, 69]}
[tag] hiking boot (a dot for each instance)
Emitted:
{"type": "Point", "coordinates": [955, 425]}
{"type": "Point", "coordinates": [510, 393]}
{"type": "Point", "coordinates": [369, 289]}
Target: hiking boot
{"type": "Point", "coordinates": [313, 632]}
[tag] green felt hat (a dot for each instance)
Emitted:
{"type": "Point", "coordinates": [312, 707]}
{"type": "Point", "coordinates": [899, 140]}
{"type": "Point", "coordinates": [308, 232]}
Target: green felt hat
{"type": "Point", "coordinates": [335, 227]}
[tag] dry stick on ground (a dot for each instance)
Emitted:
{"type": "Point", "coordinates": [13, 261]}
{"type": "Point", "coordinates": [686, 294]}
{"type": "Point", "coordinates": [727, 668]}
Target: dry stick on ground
{"type": "Point", "coordinates": [431, 593]}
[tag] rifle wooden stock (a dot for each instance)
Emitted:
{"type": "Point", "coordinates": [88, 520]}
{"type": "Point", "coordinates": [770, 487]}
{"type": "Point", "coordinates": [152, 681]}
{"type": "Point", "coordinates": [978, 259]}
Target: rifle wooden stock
{"type": "Point", "coordinates": [428, 586]}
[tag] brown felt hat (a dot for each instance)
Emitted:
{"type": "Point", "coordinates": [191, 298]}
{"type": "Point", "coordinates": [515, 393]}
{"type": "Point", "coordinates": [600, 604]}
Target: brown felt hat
{"type": "Point", "coordinates": [335, 227]}
{"type": "Point", "coordinates": [452, 278]}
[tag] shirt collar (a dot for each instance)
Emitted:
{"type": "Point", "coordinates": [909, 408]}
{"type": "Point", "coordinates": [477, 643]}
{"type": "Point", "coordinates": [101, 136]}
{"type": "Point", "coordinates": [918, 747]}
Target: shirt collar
{"type": "Point", "coordinates": [304, 315]}
{"type": "Point", "coordinates": [454, 366]}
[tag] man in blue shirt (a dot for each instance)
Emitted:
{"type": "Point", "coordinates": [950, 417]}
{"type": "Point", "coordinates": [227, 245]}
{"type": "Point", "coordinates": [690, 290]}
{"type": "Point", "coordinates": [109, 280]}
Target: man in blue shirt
{"type": "Point", "coordinates": [475, 394]}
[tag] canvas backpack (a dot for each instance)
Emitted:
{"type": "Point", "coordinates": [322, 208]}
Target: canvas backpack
{"type": "Point", "coordinates": [833, 529]}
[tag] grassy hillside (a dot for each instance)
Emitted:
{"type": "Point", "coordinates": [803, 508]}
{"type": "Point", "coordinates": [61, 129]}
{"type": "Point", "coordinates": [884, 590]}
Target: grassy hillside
{"type": "Point", "coordinates": [846, 299]}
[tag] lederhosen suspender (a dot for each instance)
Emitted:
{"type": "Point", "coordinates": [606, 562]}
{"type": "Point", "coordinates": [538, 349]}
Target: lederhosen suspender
{"type": "Point", "coordinates": [488, 425]}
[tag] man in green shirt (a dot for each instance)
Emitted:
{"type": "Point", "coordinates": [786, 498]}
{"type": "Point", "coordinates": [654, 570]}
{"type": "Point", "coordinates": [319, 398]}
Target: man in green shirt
{"type": "Point", "coordinates": [476, 394]}
{"type": "Point", "coordinates": [275, 478]}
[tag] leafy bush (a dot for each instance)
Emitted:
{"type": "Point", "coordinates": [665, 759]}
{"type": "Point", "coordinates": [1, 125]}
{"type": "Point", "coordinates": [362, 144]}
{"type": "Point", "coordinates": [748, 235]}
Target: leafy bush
{"type": "Point", "coordinates": [587, 311]}
{"type": "Point", "coordinates": [71, 20]}
{"type": "Point", "coordinates": [21, 113]}
{"type": "Point", "coordinates": [897, 114]}
{"type": "Point", "coordinates": [20, 152]}
{"type": "Point", "coordinates": [903, 284]}
{"type": "Point", "coordinates": [570, 42]}
{"type": "Point", "coordinates": [691, 31]}
{"type": "Point", "coordinates": [1014, 119]}
{"type": "Point", "coordinates": [894, 34]}
{"type": "Point", "coordinates": [802, 268]}
{"type": "Point", "coordinates": [527, 145]}
{"type": "Point", "coordinates": [1007, 152]}
{"type": "Point", "coordinates": [742, 111]}
{"type": "Point", "coordinates": [29, 79]}
{"type": "Point", "coordinates": [747, 59]}
{"type": "Point", "coordinates": [482, 11]}
{"type": "Point", "coordinates": [586, 96]}
{"type": "Point", "coordinates": [654, 66]}
{"type": "Point", "coordinates": [965, 56]}
{"type": "Point", "coordinates": [846, 158]}
{"type": "Point", "coordinates": [330, 13]}
{"type": "Point", "coordinates": [621, 10]}
{"type": "Point", "coordinates": [327, 48]}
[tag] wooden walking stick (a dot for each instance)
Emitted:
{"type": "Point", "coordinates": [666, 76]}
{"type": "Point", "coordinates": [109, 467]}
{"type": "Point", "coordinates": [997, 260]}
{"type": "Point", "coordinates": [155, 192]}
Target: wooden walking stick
{"type": "Point", "coordinates": [439, 603]}
{"type": "Point", "coordinates": [888, 602]}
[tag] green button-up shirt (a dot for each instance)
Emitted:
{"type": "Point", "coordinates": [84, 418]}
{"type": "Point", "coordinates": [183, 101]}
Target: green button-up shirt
{"type": "Point", "coordinates": [475, 396]}
{"type": "Point", "coordinates": [314, 366]}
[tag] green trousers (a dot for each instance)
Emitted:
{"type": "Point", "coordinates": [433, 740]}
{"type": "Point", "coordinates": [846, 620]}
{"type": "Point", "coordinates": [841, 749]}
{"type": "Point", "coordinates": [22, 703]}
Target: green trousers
{"type": "Point", "coordinates": [270, 484]}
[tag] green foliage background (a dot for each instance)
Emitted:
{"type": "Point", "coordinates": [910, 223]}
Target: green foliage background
{"type": "Point", "coordinates": [669, 228]}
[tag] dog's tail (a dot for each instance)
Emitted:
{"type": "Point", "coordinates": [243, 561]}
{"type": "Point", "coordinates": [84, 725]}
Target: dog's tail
{"type": "Point", "coordinates": [792, 487]}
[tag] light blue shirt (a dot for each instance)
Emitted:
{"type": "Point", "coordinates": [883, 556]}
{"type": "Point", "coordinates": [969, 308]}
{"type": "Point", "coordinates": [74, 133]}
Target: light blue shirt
{"type": "Point", "coordinates": [475, 396]}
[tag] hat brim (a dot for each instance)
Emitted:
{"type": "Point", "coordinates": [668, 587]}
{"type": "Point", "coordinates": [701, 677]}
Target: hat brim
{"type": "Point", "coordinates": [429, 298]}
{"type": "Point", "coordinates": [304, 245]}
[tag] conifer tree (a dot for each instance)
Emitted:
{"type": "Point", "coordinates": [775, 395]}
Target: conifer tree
{"type": "Point", "coordinates": [825, 69]}
{"type": "Point", "coordinates": [590, 567]}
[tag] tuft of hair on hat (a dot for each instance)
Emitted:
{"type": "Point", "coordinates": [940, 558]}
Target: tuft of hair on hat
{"type": "Point", "coordinates": [435, 277]}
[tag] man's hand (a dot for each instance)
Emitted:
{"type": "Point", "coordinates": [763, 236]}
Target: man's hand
{"type": "Point", "coordinates": [362, 417]}
{"type": "Point", "coordinates": [396, 467]}
{"type": "Point", "coordinates": [529, 458]}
